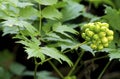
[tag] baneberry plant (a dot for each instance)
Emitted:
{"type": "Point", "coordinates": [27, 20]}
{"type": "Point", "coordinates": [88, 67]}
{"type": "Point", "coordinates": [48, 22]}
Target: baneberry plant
{"type": "Point", "coordinates": [48, 32]}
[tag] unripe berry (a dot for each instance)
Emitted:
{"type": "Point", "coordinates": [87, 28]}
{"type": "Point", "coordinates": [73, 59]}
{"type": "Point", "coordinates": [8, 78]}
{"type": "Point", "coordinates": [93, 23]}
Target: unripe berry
{"type": "Point", "coordinates": [110, 32]}
{"type": "Point", "coordinates": [105, 24]}
{"type": "Point", "coordinates": [105, 44]}
{"type": "Point", "coordinates": [92, 28]}
{"type": "Point", "coordinates": [100, 47]}
{"type": "Point", "coordinates": [87, 38]}
{"type": "Point", "coordinates": [102, 34]}
{"type": "Point", "coordinates": [97, 28]}
{"type": "Point", "coordinates": [104, 40]}
{"type": "Point", "coordinates": [110, 38]}
{"type": "Point", "coordinates": [83, 35]}
{"type": "Point", "coordinates": [95, 37]}
{"type": "Point", "coordinates": [89, 33]}
{"type": "Point", "coordinates": [103, 29]}
{"type": "Point", "coordinates": [93, 46]}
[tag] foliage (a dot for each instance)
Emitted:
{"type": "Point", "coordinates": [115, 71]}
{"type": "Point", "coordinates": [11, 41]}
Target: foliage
{"type": "Point", "coordinates": [51, 30]}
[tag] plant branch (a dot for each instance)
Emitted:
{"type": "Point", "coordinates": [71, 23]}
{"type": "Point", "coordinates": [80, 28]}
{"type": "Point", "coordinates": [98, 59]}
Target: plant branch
{"type": "Point", "coordinates": [100, 76]}
{"type": "Point", "coordinates": [76, 46]}
{"type": "Point", "coordinates": [35, 70]}
{"type": "Point", "coordinates": [93, 59]}
{"type": "Point", "coordinates": [40, 20]}
{"type": "Point", "coordinates": [76, 63]}
{"type": "Point", "coordinates": [56, 69]}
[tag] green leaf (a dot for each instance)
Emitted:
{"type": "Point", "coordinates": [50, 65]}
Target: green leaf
{"type": "Point", "coordinates": [60, 42]}
{"type": "Point", "coordinates": [113, 18]}
{"type": "Point", "coordinates": [98, 2]}
{"type": "Point", "coordinates": [5, 57]}
{"type": "Point", "coordinates": [34, 52]}
{"type": "Point", "coordinates": [14, 22]}
{"type": "Point", "coordinates": [54, 53]}
{"type": "Point", "coordinates": [71, 11]}
{"type": "Point", "coordinates": [17, 3]}
{"type": "Point", "coordinates": [45, 75]}
{"type": "Point", "coordinates": [31, 47]}
{"type": "Point", "coordinates": [114, 54]}
{"type": "Point", "coordinates": [47, 2]}
{"type": "Point", "coordinates": [87, 48]}
{"type": "Point", "coordinates": [10, 30]}
{"type": "Point", "coordinates": [5, 74]}
{"type": "Point", "coordinates": [63, 29]}
{"type": "Point", "coordinates": [51, 13]}
{"type": "Point", "coordinates": [28, 13]}
{"type": "Point", "coordinates": [17, 68]}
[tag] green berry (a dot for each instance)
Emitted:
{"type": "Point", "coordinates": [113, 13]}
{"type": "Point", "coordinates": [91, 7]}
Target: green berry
{"type": "Point", "coordinates": [83, 35]}
{"type": "Point", "coordinates": [95, 37]}
{"type": "Point", "coordinates": [103, 29]}
{"type": "Point", "coordinates": [110, 38]}
{"type": "Point", "coordinates": [97, 28]}
{"type": "Point", "coordinates": [93, 46]}
{"type": "Point", "coordinates": [89, 33]}
{"type": "Point", "coordinates": [105, 25]}
{"type": "Point", "coordinates": [100, 47]}
{"type": "Point", "coordinates": [102, 34]}
{"type": "Point", "coordinates": [110, 32]}
{"type": "Point", "coordinates": [104, 40]}
{"type": "Point", "coordinates": [105, 44]}
{"type": "Point", "coordinates": [87, 38]}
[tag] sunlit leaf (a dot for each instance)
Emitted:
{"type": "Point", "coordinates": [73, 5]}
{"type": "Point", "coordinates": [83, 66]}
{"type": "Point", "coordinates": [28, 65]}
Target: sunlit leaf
{"type": "Point", "coordinates": [114, 54]}
{"type": "Point", "coordinates": [47, 2]}
{"type": "Point", "coordinates": [71, 11]}
{"type": "Point", "coordinates": [28, 13]}
{"type": "Point", "coordinates": [54, 53]}
{"type": "Point", "coordinates": [113, 18]}
{"type": "Point", "coordinates": [63, 29]}
{"type": "Point", "coordinates": [51, 13]}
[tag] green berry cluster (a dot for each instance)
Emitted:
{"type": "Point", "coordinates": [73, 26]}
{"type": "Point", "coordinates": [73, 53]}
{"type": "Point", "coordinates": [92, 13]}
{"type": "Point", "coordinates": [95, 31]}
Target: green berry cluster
{"type": "Point", "coordinates": [97, 34]}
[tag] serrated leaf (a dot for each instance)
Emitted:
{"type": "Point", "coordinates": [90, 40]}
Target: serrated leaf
{"type": "Point", "coordinates": [14, 22]}
{"type": "Point", "coordinates": [35, 52]}
{"type": "Point", "coordinates": [114, 54]}
{"type": "Point", "coordinates": [71, 11]}
{"type": "Point", "coordinates": [51, 12]}
{"type": "Point", "coordinates": [54, 53]}
{"type": "Point", "coordinates": [28, 13]}
{"type": "Point", "coordinates": [60, 42]}
{"type": "Point", "coordinates": [47, 2]}
{"type": "Point", "coordinates": [32, 47]}
{"type": "Point", "coordinates": [10, 30]}
{"type": "Point", "coordinates": [63, 29]}
{"type": "Point", "coordinates": [113, 18]}
{"type": "Point", "coordinates": [87, 48]}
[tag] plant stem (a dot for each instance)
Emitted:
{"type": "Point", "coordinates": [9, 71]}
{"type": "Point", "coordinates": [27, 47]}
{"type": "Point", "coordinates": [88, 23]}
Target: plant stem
{"type": "Point", "coordinates": [56, 69]}
{"type": "Point", "coordinates": [76, 63]}
{"type": "Point", "coordinates": [35, 70]}
{"type": "Point", "coordinates": [93, 59]}
{"type": "Point", "coordinates": [76, 46]}
{"type": "Point", "coordinates": [40, 22]}
{"type": "Point", "coordinates": [100, 76]}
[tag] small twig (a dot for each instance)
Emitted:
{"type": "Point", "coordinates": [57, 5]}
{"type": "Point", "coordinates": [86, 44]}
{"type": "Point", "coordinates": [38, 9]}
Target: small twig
{"type": "Point", "coordinates": [100, 76]}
